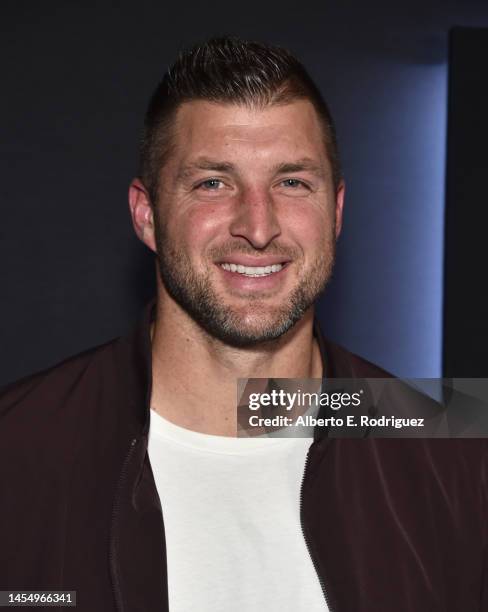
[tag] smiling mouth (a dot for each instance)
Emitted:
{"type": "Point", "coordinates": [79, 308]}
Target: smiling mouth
{"type": "Point", "coordinates": [252, 271]}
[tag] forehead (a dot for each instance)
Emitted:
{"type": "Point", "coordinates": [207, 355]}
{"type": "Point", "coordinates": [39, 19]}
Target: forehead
{"type": "Point", "coordinates": [205, 128]}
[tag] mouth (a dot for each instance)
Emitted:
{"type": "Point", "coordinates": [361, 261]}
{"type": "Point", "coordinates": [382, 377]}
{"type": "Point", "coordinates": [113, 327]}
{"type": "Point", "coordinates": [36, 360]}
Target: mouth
{"type": "Point", "coordinates": [252, 271]}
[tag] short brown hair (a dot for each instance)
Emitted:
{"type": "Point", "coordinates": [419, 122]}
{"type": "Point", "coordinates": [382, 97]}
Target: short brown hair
{"type": "Point", "coordinates": [228, 70]}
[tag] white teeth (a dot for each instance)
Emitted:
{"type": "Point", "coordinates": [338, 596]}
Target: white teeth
{"type": "Point", "coordinates": [252, 270]}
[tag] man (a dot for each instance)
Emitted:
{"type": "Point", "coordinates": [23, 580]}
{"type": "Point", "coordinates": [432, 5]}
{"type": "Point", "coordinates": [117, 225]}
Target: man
{"type": "Point", "coordinates": [121, 474]}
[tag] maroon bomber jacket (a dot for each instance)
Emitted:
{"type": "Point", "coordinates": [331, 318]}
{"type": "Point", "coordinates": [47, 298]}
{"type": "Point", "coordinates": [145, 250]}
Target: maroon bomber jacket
{"type": "Point", "coordinates": [392, 525]}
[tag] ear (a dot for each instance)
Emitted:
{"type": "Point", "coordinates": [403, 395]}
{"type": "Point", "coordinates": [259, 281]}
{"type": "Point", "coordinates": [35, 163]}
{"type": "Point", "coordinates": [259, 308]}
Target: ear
{"type": "Point", "coordinates": [141, 211]}
{"type": "Point", "coordinates": [341, 189]}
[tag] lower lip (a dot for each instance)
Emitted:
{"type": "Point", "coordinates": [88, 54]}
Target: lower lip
{"type": "Point", "coordinates": [254, 283]}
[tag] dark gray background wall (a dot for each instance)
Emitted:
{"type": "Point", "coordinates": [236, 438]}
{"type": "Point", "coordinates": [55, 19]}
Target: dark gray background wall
{"type": "Point", "coordinates": [76, 77]}
{"type": "Point", "coordinates": [465, 336]}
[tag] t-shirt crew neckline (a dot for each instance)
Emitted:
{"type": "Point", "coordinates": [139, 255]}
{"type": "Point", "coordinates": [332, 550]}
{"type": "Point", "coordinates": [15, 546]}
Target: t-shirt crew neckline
{"type": "Point", "coordinates": [227, 445]}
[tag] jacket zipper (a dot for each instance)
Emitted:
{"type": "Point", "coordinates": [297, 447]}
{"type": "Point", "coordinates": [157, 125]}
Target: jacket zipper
{"type": "Point", "coordinates": [115, 585]}
{"type": "Point", "coordinates": [119, 604]}
{"type": "Point", "coordinates": [307, 539]}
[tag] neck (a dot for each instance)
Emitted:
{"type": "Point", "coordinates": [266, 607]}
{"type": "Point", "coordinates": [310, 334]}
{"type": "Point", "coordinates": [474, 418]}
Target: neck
{"type": "Point", "coordinates": [195, 375]}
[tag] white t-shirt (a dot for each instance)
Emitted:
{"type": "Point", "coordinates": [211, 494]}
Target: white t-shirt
{"type": "Point", "coordinates": [232, 520]}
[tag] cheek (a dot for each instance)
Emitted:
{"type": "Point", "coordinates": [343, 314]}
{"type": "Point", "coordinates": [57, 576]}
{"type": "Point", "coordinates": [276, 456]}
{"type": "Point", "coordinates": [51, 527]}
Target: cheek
{"type": "Point", "coordinates": [311, 228]}
{"type": "Point", "coordinates": [203, 218]}
{"type": "Point", "coordinates": [199, 227]}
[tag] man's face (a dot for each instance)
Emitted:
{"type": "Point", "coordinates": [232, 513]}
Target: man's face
{"type": "Point", "coordinates": [246, 218]}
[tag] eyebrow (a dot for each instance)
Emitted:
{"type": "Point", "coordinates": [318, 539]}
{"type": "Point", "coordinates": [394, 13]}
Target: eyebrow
{"type": "Point", "coordinates": [305, 164]}
{"type": "Point", "coordinates": [204, 163]}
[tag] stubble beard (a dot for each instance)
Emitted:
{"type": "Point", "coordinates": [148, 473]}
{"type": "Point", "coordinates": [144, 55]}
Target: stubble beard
{"type": "Point", "coordinates": [253, 323]}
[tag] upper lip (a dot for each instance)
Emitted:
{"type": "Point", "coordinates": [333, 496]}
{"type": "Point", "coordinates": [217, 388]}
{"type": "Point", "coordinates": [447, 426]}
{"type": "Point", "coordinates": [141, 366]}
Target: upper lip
{"type": "Point", "coordinates": [246, 260]}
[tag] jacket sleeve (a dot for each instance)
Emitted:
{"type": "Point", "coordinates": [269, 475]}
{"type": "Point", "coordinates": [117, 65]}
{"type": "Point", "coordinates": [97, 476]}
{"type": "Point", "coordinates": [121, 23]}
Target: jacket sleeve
{"type": "Point", "coordinates": [484, 518]}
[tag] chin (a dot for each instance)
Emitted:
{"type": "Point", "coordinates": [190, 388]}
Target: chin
{"type": "Point", "coordinates": [250, 331]}
{"type": "Point", "coordinates": [257, 321]}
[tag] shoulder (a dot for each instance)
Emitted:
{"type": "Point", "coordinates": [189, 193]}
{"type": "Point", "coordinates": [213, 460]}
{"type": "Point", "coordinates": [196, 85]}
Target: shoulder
{"type": "Point", "coordinates": [50, 388]}
{"type": "Point", "coordinates": [69, 414]}
{"type": "Point", "coordinates": [394, 396]}
{"type": "Point", "coordinates": [342, 363]}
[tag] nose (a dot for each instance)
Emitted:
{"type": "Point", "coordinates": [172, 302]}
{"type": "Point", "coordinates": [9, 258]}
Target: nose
{"type": "Point", "coordinates": [255, 219]}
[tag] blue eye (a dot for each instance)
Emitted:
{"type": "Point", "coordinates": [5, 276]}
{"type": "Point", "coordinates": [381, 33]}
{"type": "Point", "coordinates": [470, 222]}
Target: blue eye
{"type": "Point", "coordinates": [293, 183]}
{"type": "Point", "coordinates": [211, 184]}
